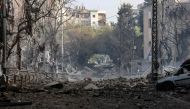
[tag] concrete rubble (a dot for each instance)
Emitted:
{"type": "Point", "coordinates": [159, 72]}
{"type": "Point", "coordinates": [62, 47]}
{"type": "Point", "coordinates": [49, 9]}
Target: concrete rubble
{"type": "Point", "coordinates": [91, 87]}
{"type": "Point", "coordinates": [117, 93]}
{"type": "Point", "coordinates": [57, 85]}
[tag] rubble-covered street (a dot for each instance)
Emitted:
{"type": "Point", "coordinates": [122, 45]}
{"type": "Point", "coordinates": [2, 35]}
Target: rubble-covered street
{"type": "Point", "coordinates": [94, 54]}
{"type": "Point", "coordinates": [106, 94]}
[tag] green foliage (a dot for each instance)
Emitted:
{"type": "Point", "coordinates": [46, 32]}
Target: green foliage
{"type": "Point", "coordinates": [140, 19]}
{"type": "Point", "coordinates": [125, 18]}
{"type": "Point", "coordinates": [117, 42]}
{"type": "Point", "coordinates": [138, 31]}
{"type": "Point", "coordinates": [96, 59]}
{"type": "Point", "coordinates": [86, 41]}
{"type": "Point", "coordinates": [126, 34]}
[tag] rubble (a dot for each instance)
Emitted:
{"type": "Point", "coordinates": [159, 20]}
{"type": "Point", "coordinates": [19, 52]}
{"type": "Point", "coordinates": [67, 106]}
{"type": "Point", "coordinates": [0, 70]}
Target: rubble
{"type": "Point", "coordinates": [105, 94]}
{"type": "Point", "coordinates": [91, 87]}
{"type": "Point", "coordinates": [182, 91]}
{"type": "Point", "coordinates": [13, 88]}
{"type": "Point", "coordinates": [57, 85]}
{"type": "Point", "coordinates": [19, 103]}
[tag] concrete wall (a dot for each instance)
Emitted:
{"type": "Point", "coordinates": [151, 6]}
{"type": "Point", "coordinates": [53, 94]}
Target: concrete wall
{"type": "Point", "coordinates": [94, 18]}
{"type": "Point", "coordinates": [101, 18]}
{"type": "Point", "coordinates": [168, 24]}
{"type": "Point", "coordinates": [147, 19]}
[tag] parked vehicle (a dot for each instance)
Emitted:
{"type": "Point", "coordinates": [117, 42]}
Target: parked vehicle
{"type": "Point", "coordinates": [180, 78]}
{"type": "Point", "coordinates": [169, 70]}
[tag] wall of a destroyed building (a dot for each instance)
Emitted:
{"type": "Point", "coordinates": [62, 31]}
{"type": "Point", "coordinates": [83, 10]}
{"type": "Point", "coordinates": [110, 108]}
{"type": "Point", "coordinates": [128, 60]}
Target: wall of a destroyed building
{"type": "Point", "coordinates": [16, 13]}
{"type": "Point", "coordinates": [161, 11]}
{"type": "Point", "coordinates": [18, 6]}
{"type": "Point", "coordinates": [167, 26]}
{"type": "Point", "coordinates": [184, 26]}
{"type": "Point", "coordinates": [160, 29]}
{"type": "Point", "coordinates": [147, 20]}
{"type": "Point", "coordinates": [28, 44]}
{"type": "Point", "coordinates": [40, 35]}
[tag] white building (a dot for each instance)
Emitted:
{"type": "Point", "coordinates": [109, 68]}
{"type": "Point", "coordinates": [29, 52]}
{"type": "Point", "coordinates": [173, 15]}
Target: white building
{"type": "Point", "coordinates": [94, 18]}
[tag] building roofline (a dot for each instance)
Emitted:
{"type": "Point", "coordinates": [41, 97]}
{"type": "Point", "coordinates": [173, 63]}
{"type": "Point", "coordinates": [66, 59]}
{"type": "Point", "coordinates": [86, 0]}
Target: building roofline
{"type": "Point", "coordinates": [93, 10]}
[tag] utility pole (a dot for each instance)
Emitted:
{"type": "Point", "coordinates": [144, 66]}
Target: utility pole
{"type": "Point", "coordinates": [155, 64]}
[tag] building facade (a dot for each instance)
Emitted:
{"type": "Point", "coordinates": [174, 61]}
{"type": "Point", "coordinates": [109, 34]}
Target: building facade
{"type": "Point", "coordinates": [173, 20]}
{"type": "Point", "coordinates": [83, 16]}
{"type": "Point", "coordinates": [147, 31]}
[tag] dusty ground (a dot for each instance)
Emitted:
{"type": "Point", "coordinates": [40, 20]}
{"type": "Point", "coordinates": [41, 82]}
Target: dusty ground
{"type": "Point", "coordinates": [112, 94]}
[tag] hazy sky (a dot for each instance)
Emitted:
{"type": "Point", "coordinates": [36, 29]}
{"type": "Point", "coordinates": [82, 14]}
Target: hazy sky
{"type": "Point", "coordinates": [110, 6]}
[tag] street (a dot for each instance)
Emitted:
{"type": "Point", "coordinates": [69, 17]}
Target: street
{"type": "Point", "coordinates": [111, 94]}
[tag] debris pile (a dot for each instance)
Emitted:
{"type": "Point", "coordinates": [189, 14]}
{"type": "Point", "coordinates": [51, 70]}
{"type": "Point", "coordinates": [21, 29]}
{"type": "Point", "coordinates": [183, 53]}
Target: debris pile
{"type": "Point", "coordinates": [113, 93]}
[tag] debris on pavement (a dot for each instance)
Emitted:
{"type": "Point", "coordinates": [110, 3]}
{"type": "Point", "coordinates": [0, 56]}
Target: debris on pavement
{"type": "Point", "coordinates": [91, 87]}
{"type": "Point", "coordinates": [57, 85]}
{"type": "Point", "coordinates": [105, 94]}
